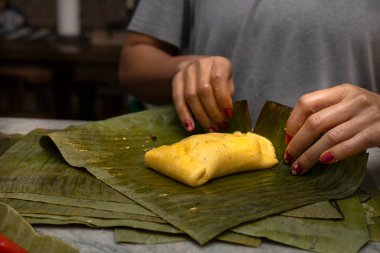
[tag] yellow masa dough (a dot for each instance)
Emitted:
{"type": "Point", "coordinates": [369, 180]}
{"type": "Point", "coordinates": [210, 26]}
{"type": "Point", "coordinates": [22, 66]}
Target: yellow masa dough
{"type": "Point", "coordinates": [199, 158]}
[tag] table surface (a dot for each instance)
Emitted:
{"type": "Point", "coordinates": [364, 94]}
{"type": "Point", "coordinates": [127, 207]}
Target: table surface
{"type": "Point", "coordinates": [92, 240]}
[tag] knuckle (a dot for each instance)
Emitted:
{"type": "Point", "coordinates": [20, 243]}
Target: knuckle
{"type": "Point", "coordinates": [205, 90]}
{"type": "Point", "coordinates": [181, 109]}
{"type": "Point", "coordinates": [217, 76]}
{"type": "Point", "coordinates": [313, 123]}
{"type": "Point", "coordinates": [344, 148]}
{"type": "Point", "coordinates": [176, 97]}
{"type": "Point", "coordinates": [190, 97]}
{"type": "Point", "coordinates": [177, 77]}
{"type": "Point", "coordinates": [346, 85]}
{"type": "Point", "coordinates": [333, 136]}
{"type": "Point", "coordinates": [224, 61]}
{"type": "Point", "coordinates": [362, 99]}
{"type": "Point", "coordinates": [304, 102]}
{"type": "Point", "coordinates": [366, 137]}
{"type": "Point", "coordinates": [308, 158]}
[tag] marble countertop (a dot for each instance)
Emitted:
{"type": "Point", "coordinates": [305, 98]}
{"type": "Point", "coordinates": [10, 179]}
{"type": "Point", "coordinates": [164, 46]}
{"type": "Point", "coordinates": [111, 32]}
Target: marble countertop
{"type": "Point", "coordinates": [92, 240]}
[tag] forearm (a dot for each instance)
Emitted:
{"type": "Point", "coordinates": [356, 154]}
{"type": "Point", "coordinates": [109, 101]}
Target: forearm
{"type": "Point", "coordinates": [146, 72]}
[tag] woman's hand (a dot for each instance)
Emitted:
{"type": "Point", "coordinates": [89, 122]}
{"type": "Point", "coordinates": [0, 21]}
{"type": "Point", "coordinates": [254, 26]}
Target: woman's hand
{"type": "Point", "coordinates": [330, 125]}
{"type": "Point", "coordinates": [203, 88]}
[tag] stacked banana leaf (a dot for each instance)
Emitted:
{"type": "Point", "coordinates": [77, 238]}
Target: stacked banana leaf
{"type": "Point", "coordinates": [94, 175]}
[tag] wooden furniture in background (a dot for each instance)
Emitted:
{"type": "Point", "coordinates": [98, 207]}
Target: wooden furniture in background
{"type": "Point", "coordinates": [71, 67]}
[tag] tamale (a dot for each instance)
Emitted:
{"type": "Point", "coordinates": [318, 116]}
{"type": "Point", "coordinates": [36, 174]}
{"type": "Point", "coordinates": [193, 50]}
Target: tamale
{"type": "Point", "coordinates": [199, 158]}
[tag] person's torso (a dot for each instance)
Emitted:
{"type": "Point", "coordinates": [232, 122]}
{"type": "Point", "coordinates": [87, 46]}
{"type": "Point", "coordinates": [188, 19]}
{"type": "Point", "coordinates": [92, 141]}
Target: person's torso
{"type": "Point", "coordinates": [283, 49]}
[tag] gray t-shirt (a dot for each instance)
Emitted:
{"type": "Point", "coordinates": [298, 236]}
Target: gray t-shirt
{"type": "Point", "coordinates": [279, 49]}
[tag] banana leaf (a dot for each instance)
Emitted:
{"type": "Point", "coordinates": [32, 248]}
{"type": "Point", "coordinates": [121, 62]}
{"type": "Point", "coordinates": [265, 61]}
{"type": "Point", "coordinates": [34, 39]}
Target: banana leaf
{"type": "Point", "coordinates": [7, 140]}
{"type": "Point", "coordinates": [148, 237]}
{"type": "Point", "coordinates": [19, 231]}
{"type": "Point", "coordinates": [128, 207]}
{"type": "Point", "coordinates": [112, 150]}
{"type": "Point", "coordinates": [99, 222]}
{"type": "Point", "coordinates": [145, 237]}
{"type": "Point", "coordinates": [36, 185]}
{"type": "Point", "coordinates": [347, 235]}
{"type": "Point", "coordinates": [372, 206]}
{"type": "Point", "coordinates": [29, 172]}
{"type": "Point", "coordinates": [319, 210]}
{"type": "Point", "coordinates": [374, 230]}
{"type": "Point", "coordinates": [33, 207]}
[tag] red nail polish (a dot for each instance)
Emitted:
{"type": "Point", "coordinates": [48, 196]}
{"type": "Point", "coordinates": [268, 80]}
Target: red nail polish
{"type": "Point", "coordinates": [188, 125]}
{"type": "Point", "coordinates": [212, 130]}
{"type": "Point", "coordinates": [223, 125]}
{"type": "Point", "coordinates": [287, 158]}
{"type": "Point", "coordinates": [229, 113]}
{"type": "Point", "coordinates": [326, 157]}
{"type": "Point", "coordinates": [288, 138]}
{"type": "Point", "coordinates": [296, 168]}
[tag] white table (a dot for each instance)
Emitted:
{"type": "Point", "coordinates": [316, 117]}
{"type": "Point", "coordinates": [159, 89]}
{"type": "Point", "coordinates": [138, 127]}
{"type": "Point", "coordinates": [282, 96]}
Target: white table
{"type": "Point", "coordinates": [91, 240]}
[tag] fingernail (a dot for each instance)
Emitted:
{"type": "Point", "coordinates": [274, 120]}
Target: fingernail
{"type": "Point", "coordinates": [326, 157]}
{"type": "Point", "coordinates": [188, 125]}
{"type": "Point", "coordinates": [287, 158]}
{"type": "Point", "coordinates": [212, 129]}
{"type": "Point", "coordinates": [229, 113]}
{"type": "Point", "coordinates": [296, 168]}
{"type": "Point", "coordinates": [223, 125]}
{"type": "Point", "coordinates": [288, 138]}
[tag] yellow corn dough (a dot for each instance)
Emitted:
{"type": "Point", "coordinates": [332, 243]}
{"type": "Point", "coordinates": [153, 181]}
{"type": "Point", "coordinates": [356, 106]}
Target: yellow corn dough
{"type": "Point", "coordinates": [199, 158]}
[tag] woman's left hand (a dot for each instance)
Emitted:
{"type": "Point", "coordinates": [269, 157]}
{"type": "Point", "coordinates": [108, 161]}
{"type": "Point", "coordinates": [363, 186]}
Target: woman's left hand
{"type": "Point", "coordinates": [330, 125]}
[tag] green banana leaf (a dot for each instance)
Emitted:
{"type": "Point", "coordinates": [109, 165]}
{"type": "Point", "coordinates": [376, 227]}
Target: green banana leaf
{"type": "Point", "coordinates": [7, 140]}
{"type": "Point", "coordinates": [35, 173]}
{"type": "Point", "coordinates": [372, 206]}
{"type": "Point", "coordinates": [19, 231]}
{"type": "Point", "coordinates": [148, 237]}
{"type": "Point", "coordinates": [99, 222]}
{"type": "Point", "coordinates": [29, 172]}
{"type": "Point", "coordinates": [112, 150]}
{"type": "Point", "coordinates": [319, 210]}
{"type": "Point", "coordinates": [347, 235]}
{"type": "Point", "coordinates": [374, 230]}
{"type": "Point", "coordinates": [29, 207]}
{"type": "Point", "coordinates": [128, 207]}
{"type": "Point", "coordinates": [145, 237]}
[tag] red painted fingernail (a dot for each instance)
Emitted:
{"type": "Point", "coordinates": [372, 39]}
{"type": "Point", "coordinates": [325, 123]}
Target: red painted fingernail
{"type": "Point", "coordinates": [288, 138]}
{"type": "Point", "coordinates": [229, 113]}
{"type": "Point", "coordinates": [188, 125]}
{"type": "Point", "coordinates": [326, 157]}
{"type": "Point", "coordinates": [223, 125]}
{"type": "Point", "coordinates": [287, 158]}
{"type": "Point", "coordinates": [296, 168]}
{"type": "Point", "coordinates": [212, 130]}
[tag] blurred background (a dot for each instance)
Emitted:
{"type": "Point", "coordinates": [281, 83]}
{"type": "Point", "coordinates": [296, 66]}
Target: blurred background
{"type": "Point", "coordinates": [59, 58]}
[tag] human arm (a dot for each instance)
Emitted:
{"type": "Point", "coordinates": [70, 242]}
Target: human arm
{"type": "Point", "coordinates": [147, 66]}
{"type": "Point", "coordinates": [330, 125]}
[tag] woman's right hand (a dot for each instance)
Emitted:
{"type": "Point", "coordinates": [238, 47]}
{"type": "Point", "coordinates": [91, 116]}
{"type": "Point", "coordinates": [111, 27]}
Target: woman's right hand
{"type": "Point", "coordinates": [202, 89]}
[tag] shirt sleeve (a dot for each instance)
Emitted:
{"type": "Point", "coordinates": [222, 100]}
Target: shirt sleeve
{"type": "Point", "coordinates": [162, 19]}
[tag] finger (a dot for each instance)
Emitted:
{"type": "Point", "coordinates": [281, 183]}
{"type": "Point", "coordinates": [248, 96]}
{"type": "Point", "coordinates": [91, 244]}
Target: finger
{"type": "Point", "coordinates": [183, 111]}
{"type": "Point", "coordinates": [222, 85]}
{"type": "Point", "coordinates": [309, 104]}
{"type": "Point", "coordinates": [315, 125]}
{"type": "Point", "coordinates": [193, 101]}
{"type": "Point", "coordinates": [368, 138]}
{"type": "Point", "coordinates": [330, 139]}
{"type": "Point", "coordinates": [207, 96]}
